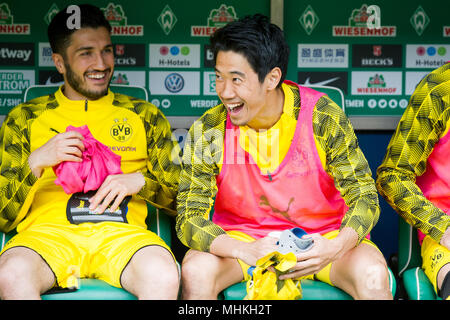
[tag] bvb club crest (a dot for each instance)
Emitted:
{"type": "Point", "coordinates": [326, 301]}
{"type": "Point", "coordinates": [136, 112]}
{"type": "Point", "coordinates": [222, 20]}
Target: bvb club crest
{"type": "Point", "coordinates": [121, 130]}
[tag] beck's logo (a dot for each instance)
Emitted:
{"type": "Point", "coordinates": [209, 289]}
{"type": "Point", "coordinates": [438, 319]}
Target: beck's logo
{"type": "Point", "coordinates": [377, 56]}
{"type": "Point", "coordinates": [121, 130]}
{"type": "Point", "coordinates": [377, 51]}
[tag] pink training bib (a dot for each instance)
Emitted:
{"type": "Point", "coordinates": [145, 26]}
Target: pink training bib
{"type": "Point", "coordinates": [299, 193]}
{"type": "Point", "coordinates": [98, 162]}
{"type": "Point", "coordinates": [435, 182]}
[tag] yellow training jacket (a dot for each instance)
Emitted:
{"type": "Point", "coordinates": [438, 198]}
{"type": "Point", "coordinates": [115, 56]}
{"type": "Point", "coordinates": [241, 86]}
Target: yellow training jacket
{"type": "Point", "coordinates": [132, 128]}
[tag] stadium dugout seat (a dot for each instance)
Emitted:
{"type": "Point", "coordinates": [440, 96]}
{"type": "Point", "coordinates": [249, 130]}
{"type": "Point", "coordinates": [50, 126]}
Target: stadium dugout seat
{"type": "Point", "coordinates": [157, 220]}
{"type": "Point", "coordinates": [415, 282]}
{"type": "Point", "coordinates": [312, 290]}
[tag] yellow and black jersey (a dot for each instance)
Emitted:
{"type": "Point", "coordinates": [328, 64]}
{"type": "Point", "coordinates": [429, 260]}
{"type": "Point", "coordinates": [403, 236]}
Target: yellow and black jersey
{"type": "Point", "coordinates": [132, 128]}
{"type": "Point", "coordinates": [425, 120]}
{"type": "Point", "coordinates": [337, 147]}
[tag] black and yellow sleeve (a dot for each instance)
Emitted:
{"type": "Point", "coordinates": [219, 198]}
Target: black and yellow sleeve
{"type": "Point", "coordinates": [347, 165]}
{"type": "Point", "coordinates": [16, 178]}
{"type": "Point", "coordinates": [197, 188]}
{"type": "Point", "coordinates": [423, 123]}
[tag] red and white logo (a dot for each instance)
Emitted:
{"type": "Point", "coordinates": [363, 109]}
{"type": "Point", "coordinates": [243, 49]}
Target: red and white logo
{"type": "Point", "coordinates": [6, 22]}
{"type": "Point", "coordinates": [377, 51]}
{"type": "Point", "coordinates": [365, 22]}
{"type": "Point", "coordinates": [446, 31]}
{"type": "Point", "coordinates": [217, 18]}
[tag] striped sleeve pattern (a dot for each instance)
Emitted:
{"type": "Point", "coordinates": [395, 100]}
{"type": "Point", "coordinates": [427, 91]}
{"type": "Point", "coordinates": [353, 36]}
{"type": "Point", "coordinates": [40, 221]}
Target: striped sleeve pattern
{"type": "Point", "coordinates": [197, 189]}
{"type": "Point", "coordinates": [348, 166]}
{"type": "Point", "coordinates": [423, 123]}
{"type": "Point", "coordinates": [16, 179]}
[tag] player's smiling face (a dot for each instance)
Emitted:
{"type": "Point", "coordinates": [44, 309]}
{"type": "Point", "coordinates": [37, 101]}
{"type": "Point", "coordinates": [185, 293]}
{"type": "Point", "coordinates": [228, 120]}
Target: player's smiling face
{"type": "Point", "coordinates": [239, 89]}
{"type": "Point", "coordinates": [88, 64]}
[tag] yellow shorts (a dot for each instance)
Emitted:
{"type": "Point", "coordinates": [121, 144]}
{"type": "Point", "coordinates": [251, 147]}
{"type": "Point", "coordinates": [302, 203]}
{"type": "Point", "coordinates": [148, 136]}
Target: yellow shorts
{"type": "Point", "coordinates": [89, 250]}
{"type": "Point", "coordinates": [323, 275]}
{"type": "Point", "coordinates": [434, 257]}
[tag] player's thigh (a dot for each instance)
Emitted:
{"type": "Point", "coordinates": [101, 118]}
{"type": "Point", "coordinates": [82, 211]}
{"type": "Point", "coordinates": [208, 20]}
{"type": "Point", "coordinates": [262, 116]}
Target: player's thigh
{"type": "Point", "coordinates": [204, 267]}
{"type": "Point", "coordinates": [24, 265]}
{"type": "Point", "coordinates": [360, 269]}
{"type": "Point", "coordinates": [119, 245]}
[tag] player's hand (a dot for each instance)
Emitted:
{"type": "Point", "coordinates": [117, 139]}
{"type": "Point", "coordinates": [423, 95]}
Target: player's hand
{"type": "Point", "coordinates": [250, 252]}
{"type": "Point", "coordinates": [114, 189]}
{"type": "Point", "coordinates": [315, 259]}
{"type": "Point", "coordinates": [66, 146]}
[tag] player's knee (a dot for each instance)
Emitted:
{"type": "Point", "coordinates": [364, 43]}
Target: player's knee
{"type": "Point", "coordinates": [161, 268]}
{"type": "Point", "coordinates": [170, 278]}
{"type": "Point", "coordinates": [197, 269]}
{"type": "Point", "coordinates": [374, 282]}
{"type": "Point", "coordinates": [13, 269]}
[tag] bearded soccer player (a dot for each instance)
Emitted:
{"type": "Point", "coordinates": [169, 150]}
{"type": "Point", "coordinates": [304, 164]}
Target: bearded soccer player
{"type": "Point", "coordinates": [274, 156]}
{"type": "Point", "coordinates": [49, 246]}
{"type": "Point", "coordinates": [414, 177]}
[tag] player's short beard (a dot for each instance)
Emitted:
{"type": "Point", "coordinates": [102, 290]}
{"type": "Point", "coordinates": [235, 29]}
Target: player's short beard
{"type": "Point", "coordinates": [77, 84]}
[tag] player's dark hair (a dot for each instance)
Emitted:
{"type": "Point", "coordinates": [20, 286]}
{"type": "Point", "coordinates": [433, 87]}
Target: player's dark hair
{"type": "Point", "coordinates": [59, 31]}
{"type": "Point", "coordinates": [262, 43]}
